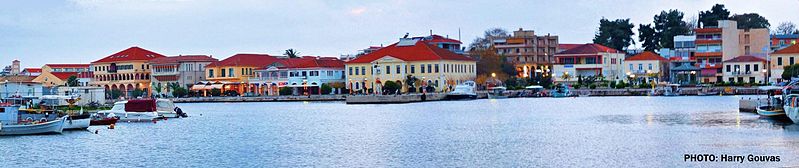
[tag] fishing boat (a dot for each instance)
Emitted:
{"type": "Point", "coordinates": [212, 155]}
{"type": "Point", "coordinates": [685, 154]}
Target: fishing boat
{"type": "Point", "coordinates": [707, 90]}
{"type": "Point", "coordinates": [534, 91]}
{"type": "Point", "coordinates": [133, 110]}
{"type": "Point", "coordinates": [773, 106]}
{"type": "Point", "coordinates": [671, 90]}
{"type": "Point", "coordinates": [561, 90]}
{"type": "Point", "coordinates": [11, 125]}
{"type": "Point", "coordinates": [464, 90]}
{"type": "Point", "coordinates": [497, 92]}
{"type": "Point", "coordinates": [77, 122]}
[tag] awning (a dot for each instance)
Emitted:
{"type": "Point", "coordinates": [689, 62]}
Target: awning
{"type": "Point", "coordinates": [215, 86]}
{"type": "Point", "coordinates": [198, 87]}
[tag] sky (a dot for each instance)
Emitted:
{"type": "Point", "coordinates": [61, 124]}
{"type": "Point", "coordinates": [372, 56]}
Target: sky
{"type": "Point", "coordinates": [72, 31]}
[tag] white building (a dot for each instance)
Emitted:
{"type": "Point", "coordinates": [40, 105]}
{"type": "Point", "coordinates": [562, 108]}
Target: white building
{"type": "Point", "coordinates": [588, 60]}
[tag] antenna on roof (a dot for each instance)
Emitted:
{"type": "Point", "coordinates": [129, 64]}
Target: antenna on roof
{"type": "Point", "coordinates": [406, 36]}
{"type": "Point", "coordinates": [431, 32]}
{"type": "Point", "coordinates": [459, 34]}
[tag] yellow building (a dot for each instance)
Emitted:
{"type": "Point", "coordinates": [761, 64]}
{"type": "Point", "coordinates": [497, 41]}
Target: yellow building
{"type": "Point", "coordinates": [645, 67]}
{"type": "Point", "coordinates": [781, 58]}
{"type": "Point", "coordinates": [432, 66]}
{"type": "Point", "coordinates": [125, 71]}
{"type": "Point", "coordinates": [235, 72]}
{"type": "Point", "coordinates": [58, 74]}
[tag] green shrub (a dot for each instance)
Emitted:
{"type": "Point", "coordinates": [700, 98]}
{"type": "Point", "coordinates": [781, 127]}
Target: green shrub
{"type": "Point", "coordinates": [285, 91]}
{"type": "Point", "coordinates": [179, 92]}
{"type": "Point", "coordinates": [592, 86]}
{"type": "Point", "coordinates": [576, 86]}
{"type": "Point", "coordinates": [390, 87]}
{"type": "Point", "coordinates": [326, 89]}
{"type": "Point", "coordinates": [216, 92]}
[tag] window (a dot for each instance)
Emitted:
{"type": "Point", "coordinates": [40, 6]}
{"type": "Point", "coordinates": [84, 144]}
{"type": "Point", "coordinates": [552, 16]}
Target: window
{"type": "Point", "coordinates": [304, 73]}
{"type": "Point", "coordinates": [230, 72]}
{"type": "Point", "coordinates": [779, 60]}
{"type": "Point", "coordinates": [356, 71]}
{"type": "Point", "coordinates": [210, 73]}
{"type": "Point", "coordinates": [790, 61]}
{"type": "Point", "coordinates": [631, 67]}
{"type": "Point", "coordinates": [640, 67]}
{"type": "Point", "coordinates": [436, 68]}
{"type": "Point", "coordinates": [590, 60]}
{"type": "Point", "coordinates": [398, 69]}
{"type": "Point", "coordinates": [413, 69]}
{"type": "Point", "coordinates": [363, 70]}
{"type": "Point", "coordinates": [746, 49]}
{"type": "Point", "coordinates": [223, 73]}
{"type": "Point", "coordinates": [756, 68]}
{"type": "Point", "coordinates": [429, 68]}
{"type": "Point", "coordinates": [746, 67]}
{"type": "Point", "coordinates": [388, 69]}
{"type": "Point", "coordinates": [728, 68]}
{"type": "Point", "coordinates": [422, 70]}
{"type": "Point", "coordinates": [650, 66]}
{"type": "Point", "coordinates": [350, 68]}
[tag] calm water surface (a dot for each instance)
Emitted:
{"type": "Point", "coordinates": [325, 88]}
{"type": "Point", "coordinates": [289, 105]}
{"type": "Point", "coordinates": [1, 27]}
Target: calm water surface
{"type": "Point", "coordinates": [544, 132]}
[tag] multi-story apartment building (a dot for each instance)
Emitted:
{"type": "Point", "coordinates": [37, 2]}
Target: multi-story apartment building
{"type": "Point", "coordinates": [235, 72]}
{"type": "Point", "coordinates": [303, 75]}
{"type": "Point", "coordinates": [684, 47]}
{"type": "Point", "coordinates": [588, 60]}
{"type": "Point", "coordinates": [531, 54]}
{"type": "Point", "coordinates": [647, 66]}
{"type": "Point", "coordinates": [433, 60]}
{"type": "Point", "coordinates": [783, 40]}
{"type": "Point", "coordinates": [745, 69]}
{"type": "Point", "coordinates": [125, 71]}
{"type": "Point", "coordinates": [183, 71]}
{"type": "Point", "coordinates": [58, 74]}
{"type": "Point", "coordinates": [725, 42]}
{"type": "Point", "coordinates": [781, 58]}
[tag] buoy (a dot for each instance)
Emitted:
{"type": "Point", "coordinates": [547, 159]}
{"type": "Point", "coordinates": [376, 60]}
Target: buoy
{"type": "Point", "coordinates": [155, 121]}
{"type": "Point", "coordinates": [96, 131]}
{"type": "Point", "coordinates": [165, 118]}
{"type": "Point", "coordinates": [111, 126]}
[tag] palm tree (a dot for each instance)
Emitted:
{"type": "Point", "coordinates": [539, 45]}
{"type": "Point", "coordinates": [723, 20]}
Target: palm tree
{"type": "Point", "coordinates": [292, 53]}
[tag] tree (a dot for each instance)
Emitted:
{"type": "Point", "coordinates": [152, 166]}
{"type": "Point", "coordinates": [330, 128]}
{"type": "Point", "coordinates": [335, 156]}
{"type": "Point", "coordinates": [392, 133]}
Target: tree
{"type": "Point", "coordinates": [616, 34]}
{"type": "Point", "coordinates": [115, 93]}
{"type": "Point", "coordinates": [411, 80]}
{"type": "Point", "coordinates": [667, 25]}
{"type": "Point", "coordinates": [786, 28]}
{"type": "Point", "coordinates": [285, 91]}
{"type": "Point", "coordinates": [391, 87]}
{"type": "Point", "coordinates": [216, 92]}
{"type": "Point", "coordinates": [292, 53]}
{"type": "Point", "coordinates": [647, 37]}
{"type": "Point", "coordinates": [790, 71]}
{"type": "Point", "coordinates": [137, 93]}
{"type": "Point", "coordinates": [157, 88]}
{"type": "Point", "coordinates": [179, 92]}
{"type": "Point", "coordinates": [326, 89]}
{"type": "Point", "coordinates": [712, 16]}
{"type": "Point", "coordinates": [72, 81]}
{"type": "Point", "coordinates": [483, 43]}
{"type": "Point", "coordinates": [750, 21]}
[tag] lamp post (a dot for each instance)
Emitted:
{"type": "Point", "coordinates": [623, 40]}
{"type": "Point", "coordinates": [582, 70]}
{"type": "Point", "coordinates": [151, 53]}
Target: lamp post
{"type": "Point", "coordinates": [765, 76]}
{"type": "Point", "coordinates": [5, 86]}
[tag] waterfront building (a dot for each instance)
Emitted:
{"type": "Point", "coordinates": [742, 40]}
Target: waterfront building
{"type": "Point", "coordinates": [684, 46]}
{"type": "Point", "coordinates": [126, 71]}
{"type": "Point", "coordinates": [433, 60]}
{"type": "Point", "coordinates": [745, 69]}
{"type": "Point", "coordinates": [87, 94]}
{"type": "Point", "coordinates": [303, 75]}
{"type": "Point", "coordinates": [588, 60]}
{"type": "Point", "coordinates": [10, 70]}
{"type": "Point", "coordinates": [646, 66]}
{"type": "Point", "coordinates": [181, 71]}
{"type": "Point", "coordinates": [234, 73]}
{"type": "Point", "coordinates": [19, 86]}
{"type": "Point", "coordinates": [563, 47]}
{"type": "Point", "coordinates": [781, 58]}
{"type": "Point", "coordinates": [683, 70]}
{"type": "Point", "coordinates": [780, 41]}
{"type": "Point", "coordinates": [725, 42]}
{"type": "Point", "coordinates": [31, 72]}
{"type": "Point", "coordinates": [58, 74]}
{"type": "Point", "coordinates": [531, 54]}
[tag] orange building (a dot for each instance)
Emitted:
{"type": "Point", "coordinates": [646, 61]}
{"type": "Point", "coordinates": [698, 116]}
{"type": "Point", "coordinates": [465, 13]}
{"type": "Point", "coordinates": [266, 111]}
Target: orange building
{"type": "Point", "coordinates": [125, 71]}
{"type": "Point", "coordinates": [235, 72]}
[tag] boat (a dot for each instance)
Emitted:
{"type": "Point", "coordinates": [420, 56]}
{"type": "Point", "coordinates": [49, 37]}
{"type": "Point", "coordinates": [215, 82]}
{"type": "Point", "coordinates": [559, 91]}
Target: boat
{"type": "Point", "coordinates": [773, 106]}
{"type": "Point", "coordinates": [561, 90]}
{"type": "Point", "coordinates": [11, 125]}
{"type": "Point", "coordinates": [464, 90]}
{"type": "Point", "coordinates": [497, 92]}
{"type": "Point", "coordinates": [133, 110]}
{"type": "Point", "coordinates": [100, 119]}
{"type": "Point", "coordinates": [791, 106]}
{"type": "Point", "coordinates": [707, 90]}
{"type": "Point", "coordinates": [77, 122]}
{"type": "Point", "coordinates": [534, 91]}
{"type": "Point", "coordinates": [167, 109]}
{"type": "Point", "coordinates": [671, 90]}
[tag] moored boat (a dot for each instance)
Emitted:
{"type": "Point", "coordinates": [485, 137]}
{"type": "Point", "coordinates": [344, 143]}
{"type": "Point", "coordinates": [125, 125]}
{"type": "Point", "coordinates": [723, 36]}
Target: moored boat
{"type": "Point", "coordinates": [534, 91]}
{"type": "Point", "coordinates": [77, 122]}
{"type": "Point", "coordinates": [497, 92]}
{"type": "Point", "coordinates": [707, 90]}
{"type": "Point", "coordinates": [773, 107]}
{"type": "Point", "coordinates": [791, 107]}
{"type": "Point", "coordinates": [133, 110]}
{"type": "Point", "coordinates": [561, 90]}
{"type": "Point", "coordinates": [464, 90]}
{"type": "Point", "coordinates": [10, 124]}
{"type": "Point", "coordinates": [671, 90]}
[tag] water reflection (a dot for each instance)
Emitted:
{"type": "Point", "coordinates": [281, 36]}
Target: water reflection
{"type": "Point", "coordinates": [700, 119]}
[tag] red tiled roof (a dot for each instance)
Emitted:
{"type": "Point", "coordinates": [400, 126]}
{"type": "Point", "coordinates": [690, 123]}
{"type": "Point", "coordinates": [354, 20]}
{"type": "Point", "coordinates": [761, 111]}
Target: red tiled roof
{"type": "Point", "coordinates": [793, 49]}
{"type": "Point", "coordinates": [746, 58]}
{"type": "Point", "coordinates": [130, 54]}
{"type": "Point", "coordinates": [87, 74]}
{"type": "Point", "coordinates": [420, 51]}
{"type": "Point", "coordinates": [251, 60]}
{"type": "Point", "coordinates": [568, 46]}
{"type": "Point", "coordinates": [647, 55]}
{"type": "Point", "coordinates": [590, 48]}
{"type": "Point", "coordinates": [312, 62]}
{"type": "Point", "coordinates": [17, 78]}
{"type": "Point", "coordinates": [33, 70]}
{"type": "Point", "coordinates": [64, 75]}
{"type": "Point", "coordinates": [183, 58]}
{"type": "Point", "coordinates": [67, 65]}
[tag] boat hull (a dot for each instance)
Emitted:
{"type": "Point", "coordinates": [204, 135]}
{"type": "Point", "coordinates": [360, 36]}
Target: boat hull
{"type": "Point", "coordinates": [105, 121]}
{"type": "Point", "coordinates": [768, 111]}
{"type": "Point", "coordinates": [460, 96]}
{"type": "Point", "coordinates": [51, 127]}
{"type": "Point", "coordinates": [77, 124]}
{"type": "Point", "coordinates": [792, 113]}
{"type": "Point", "coordinates": [168, 114]}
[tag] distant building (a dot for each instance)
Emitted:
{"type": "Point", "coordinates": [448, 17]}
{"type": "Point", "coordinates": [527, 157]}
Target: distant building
{"type": "Point", "coordinates": [235, 72]}
{"type": "Point", "coordinates": [19, 86]}
{"type": "Point", "coordinates": [564, 47]}
{"type": "Point", "coordinates": [31, 72]}
{"type": "Point", "coordinates": [87, 94]}
{"type": "Point", "coordinates": [303, 75]}
{"type": "Point", "coordinates": [126, 71]}
{"type": "Point", "coordinates": [647, 66]}
{"type": "Point", "coordinates": [684, 46]}
{"type": "Point", "coordinates": [11, 70]}
{"type": "Point", "coordinates": [683, 70]}
{"type": "Point", "coordinates": [781, 58]}
{"type": "Point", "coordinates": [589, 60]}
{"type": "Point", "coordinates": [531, 54]}
{"type": "Point", "coordinates": [745, 69]}
{"type": "Point", "coordinates": [435, 61]}
{"type": "Point", "coordinates": [183, 71]}
{"type": "Point", "coordinates": [783, 40]}
{"type": "Point", "coordinates": [58, 74]}
{"type": "Point", "coordinates": [725, 42]}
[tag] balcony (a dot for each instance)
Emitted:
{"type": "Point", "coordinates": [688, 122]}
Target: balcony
{"type": "Point", "coordinates": [708, 54]}
{"type": "Point", "coordinates": [708, 41]}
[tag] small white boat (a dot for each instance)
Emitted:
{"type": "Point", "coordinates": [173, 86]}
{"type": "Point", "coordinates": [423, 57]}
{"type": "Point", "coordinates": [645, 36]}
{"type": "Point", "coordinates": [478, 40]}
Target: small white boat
{"type": "Point", "coordinates": [773, 106]}
{"type": "Point", "coordinates": [671, 90]}
{"type": "Point", "coordinates": [133, 110]}
{"type": "Point", "coordinates": [707, 90]}
{"type": "Point", "coordinates": [166, 108]}
{"type": "Point", "coordinates": [9, 124]}
{"type": "Point", "coordinates": [497, 92]}
{"type": "Point", "coordinates": [464, 90]}
{"type": "Point", "coordinates": [77, 122]}
{"type": "Point", "coordinates": [534, 91]}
